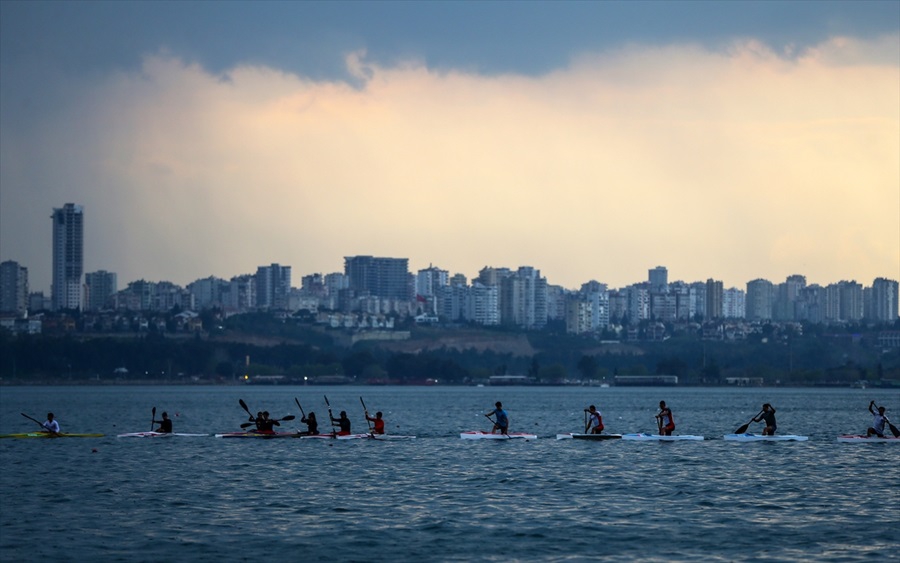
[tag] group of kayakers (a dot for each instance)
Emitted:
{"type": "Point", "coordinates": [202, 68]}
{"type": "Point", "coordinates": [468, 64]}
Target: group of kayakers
{"type": "Point", "coordinates": [593, 421]}
{"type": "Point", "coordinates": [665, 421]}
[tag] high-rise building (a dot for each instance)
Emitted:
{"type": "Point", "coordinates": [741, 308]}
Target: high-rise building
{"type": "Point", "coordinates": [99, 286]}
{"type": "Point", "coordinates": [760, 300]}
{"type": "Point", "coordinates": [734, 303]}
{"type": "Point", "coordinates": [380, 277]}
{"type": "Point", "coordinates": [523, 299]}
{"type": "Point", "coordinates": [273, 286]}
{"type": "Point", "coordinates": [430, 280]}
{"type": "Point", "coordinates": [68, 256]}
{"type": "Point", "coordinates": [13, 288]}
{"type": "Point", "coordinates": [884, 301]}
{"type": "Point", "coordinates": [714, 299]}
{"type": "Point", "coordinates": [659, 279]}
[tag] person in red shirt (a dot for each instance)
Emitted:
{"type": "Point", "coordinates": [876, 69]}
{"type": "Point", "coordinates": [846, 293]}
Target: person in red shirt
{"type": "Point", "coordinates": [378, 422]}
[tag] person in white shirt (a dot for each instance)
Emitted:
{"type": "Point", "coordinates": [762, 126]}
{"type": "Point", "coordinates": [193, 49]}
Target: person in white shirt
{"type": "Point", "coordinates": [50, 425]}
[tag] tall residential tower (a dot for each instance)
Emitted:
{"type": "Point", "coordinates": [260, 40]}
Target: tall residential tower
{"type": "Point", "coordinates": [68, 256]}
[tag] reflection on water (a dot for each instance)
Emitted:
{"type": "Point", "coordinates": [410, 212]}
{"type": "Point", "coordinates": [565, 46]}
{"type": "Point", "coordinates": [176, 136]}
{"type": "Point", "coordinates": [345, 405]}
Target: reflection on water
{"type": "Point", "coordinates": [442, 498]}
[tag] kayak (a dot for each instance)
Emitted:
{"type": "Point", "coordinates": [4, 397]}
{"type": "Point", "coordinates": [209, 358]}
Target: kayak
{"type": "Point", "coordinates": [481, 435]}
{"type": "Point", "coordinates": [333, 436]}
{"type": "Point", "coordinates": [642, 437]}
{"type": "Point", "coordinates": [863, 439]}
{"type": "Point", "coordinates": [595, 437]}
{"type": "Point", "coordinates": [157, 435]}
{"type": "Point", "coordinates": [48, 435]}
{"type": "Point", "coordinates": [268, 435]}
{"type": "Point", "coordinates": [761, 438]}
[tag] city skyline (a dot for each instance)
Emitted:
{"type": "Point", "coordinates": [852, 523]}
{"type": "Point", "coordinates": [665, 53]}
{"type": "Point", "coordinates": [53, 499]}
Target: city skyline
{"type": "Point", "coordinates": [729, 141]}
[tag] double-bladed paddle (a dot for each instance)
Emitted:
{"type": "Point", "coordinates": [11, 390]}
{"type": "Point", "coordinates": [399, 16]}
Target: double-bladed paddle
{"type": "Point", "coordinates": [299, 407]}
{"type": "Point", "coordinates": [743, 428]}
{"type": "Point", "coordinates": [152, 418]}
{"type": "Point", "coordinates": [330, 415]}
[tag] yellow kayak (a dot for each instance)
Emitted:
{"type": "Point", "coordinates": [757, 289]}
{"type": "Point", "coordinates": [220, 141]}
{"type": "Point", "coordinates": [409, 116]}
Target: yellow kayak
{"type": "Point", "coordinates": [49, 435]}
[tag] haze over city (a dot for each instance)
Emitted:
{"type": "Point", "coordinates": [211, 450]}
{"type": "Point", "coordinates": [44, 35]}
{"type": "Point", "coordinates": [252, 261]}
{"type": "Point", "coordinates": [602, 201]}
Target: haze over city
{"type": "Point", "coordinates": [732, 141]}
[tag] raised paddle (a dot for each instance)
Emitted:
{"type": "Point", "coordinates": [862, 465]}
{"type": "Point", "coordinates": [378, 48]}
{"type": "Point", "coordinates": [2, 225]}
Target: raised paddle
{"type": "Point", "coordinates": [299, 407]}
{"type": "Point", "coordinates": [330, 415]}
{"type": "Point", "coordinates": [893, 428]}
{"type": "Point", "coordinates": [152, 418]}
{"type": "Point", "coordinates": [743, 428]}
{"type": "Point", "coordinates": [36, 421]}
{"type": "Point", "coordinates": [366, 411]}
{"type": "Point", "coordinates": [244, 406]}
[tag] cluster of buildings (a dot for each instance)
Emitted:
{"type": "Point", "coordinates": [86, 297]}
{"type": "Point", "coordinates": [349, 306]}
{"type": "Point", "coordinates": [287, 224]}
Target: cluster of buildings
{"type": "Point", "coordinates": [372, 289]}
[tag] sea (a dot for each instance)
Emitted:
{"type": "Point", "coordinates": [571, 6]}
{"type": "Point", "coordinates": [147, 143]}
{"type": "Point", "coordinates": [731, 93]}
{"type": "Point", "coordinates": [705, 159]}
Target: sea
{"type": "Point", "coordinates": [438, 497]}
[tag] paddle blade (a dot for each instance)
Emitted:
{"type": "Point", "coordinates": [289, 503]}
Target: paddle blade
{"type": "Point", "coordinates": [742, 428]}
{"type": "Point", "coordinates": [244, 406]}
{"type": "Point", "coordinates": [289, 417]}
{"type": "Point", "coordinates": [894, 430]}
{"type": "Point", "coordinates": [247, 425]}
{"type": "Point", "coordinates": [299, 407]}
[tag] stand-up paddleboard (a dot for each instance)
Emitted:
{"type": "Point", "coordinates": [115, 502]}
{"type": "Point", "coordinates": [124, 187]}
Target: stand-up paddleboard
{"type": "Point", "coordinates": [49, 435]}
{"type": "Point", "coordinates": [579, 436]}
{"type": "Point", "coordinates": [761, 438]}
{"type": "Point", "coordinates": [481, 435]}
{"type": "Point", "coordinates": [158, 435]}
{"type": "Point", "coordinates": [642, 437]}
{"type": "Point", "coordinates": [863, 439]}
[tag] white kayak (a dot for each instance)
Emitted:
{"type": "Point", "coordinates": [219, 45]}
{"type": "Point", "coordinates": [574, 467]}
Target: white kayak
{"type": "Point", "coordinates": [863, 439]}
{"type": "Point", "coordinates": [158, 435]}
{"type": "Point", "coordinates": [761, 438]}
{"type": "Point", "coordinates": [481, 435]}
{"type": "Point", "coordinates": [578, 436]}
{"type": "Point", "coordinates": [642, 437]}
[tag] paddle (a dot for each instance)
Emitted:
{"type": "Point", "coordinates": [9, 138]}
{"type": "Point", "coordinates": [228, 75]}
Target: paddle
{"type": "Point", "coordinates": [244, 406]}
{"type": "Point", "coordinates": [36, 421]}
{"type": "Point", "coordinates": [330, 416]}
{"type": "Point", "coordinates": [152, 418]}
{"type": "Point", "coordinates": [367, 415]}
{"type": "Point", "coordinates": [298, 406]}
{"type": "Point", "coordinates": [893, 428]}
{"type": "Point", "coordinates": [659, 424]}
{"type": "Point", "coordinates": [587, 422]}
{"type": "Point", "coordinates": [743, 428]}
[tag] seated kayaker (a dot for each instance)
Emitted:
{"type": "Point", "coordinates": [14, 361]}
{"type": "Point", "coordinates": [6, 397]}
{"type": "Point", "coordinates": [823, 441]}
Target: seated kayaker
{"type": "Point", "coordinates": [266, 424]}
{"type": "Point", "coordinates": [595, 420]}
{"type": "Point", "coordinates": [665, 420]}
{"type": "Point", "coordinates": [767, 415]}
{"type": "Point", "coordinates": [165, 425]}
{"type": "Point", "coordinates": [312, 425]}
{"type": "Point", "coordinates": [50, 425]}
{"type": "Point", "coordinates": [377, 422]}
{"type": "Point", "coordinates": [877, 428]}
{"type": "Point", "coordinates": [502, 421]}
{"type": "Point", "coordinates": [343, 423]}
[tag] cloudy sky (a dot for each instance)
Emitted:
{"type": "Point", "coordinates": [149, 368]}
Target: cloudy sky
{"type": "Point", "coordinates": [590, 140]}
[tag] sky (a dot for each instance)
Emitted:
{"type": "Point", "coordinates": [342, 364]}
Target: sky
{"type": "Point", "coordinates": [590, 140]}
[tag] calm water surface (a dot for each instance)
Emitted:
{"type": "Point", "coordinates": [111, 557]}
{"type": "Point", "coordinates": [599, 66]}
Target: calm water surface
{"type": "Point", "coordinates": [439, 498]}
